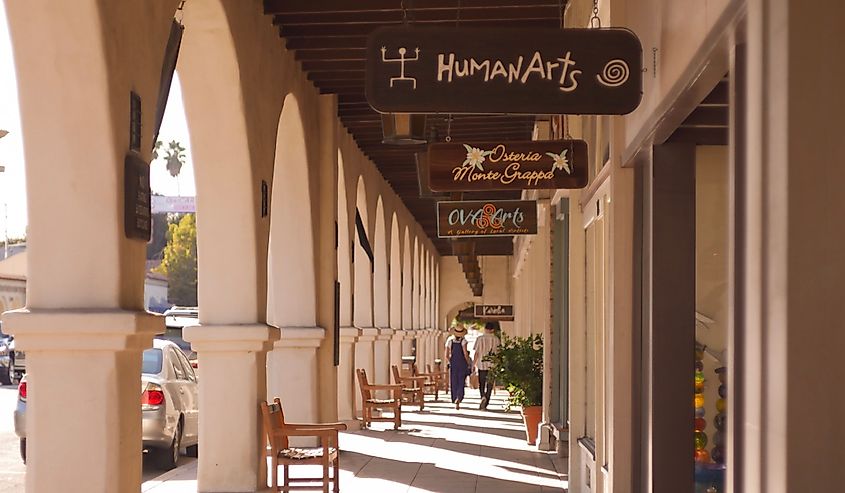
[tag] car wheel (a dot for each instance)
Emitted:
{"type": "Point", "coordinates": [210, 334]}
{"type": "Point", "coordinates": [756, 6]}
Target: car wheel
{"type": "Point", "coordinates": [192, 451]}
{"type": "Point", "coordinates": [23, 450]}
{"type": "Point", "coordinates": [7, 378]}
{"type": "Point", "coordinates": [168, 458]}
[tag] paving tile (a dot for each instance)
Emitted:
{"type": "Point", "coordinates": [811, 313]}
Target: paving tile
{"type": "Point", "coordinates": [439, 450]}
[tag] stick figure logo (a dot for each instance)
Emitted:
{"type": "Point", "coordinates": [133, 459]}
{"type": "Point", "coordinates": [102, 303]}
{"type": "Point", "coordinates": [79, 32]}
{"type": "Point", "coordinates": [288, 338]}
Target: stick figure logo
{"type": "Point", "coordinates": [401, 59]}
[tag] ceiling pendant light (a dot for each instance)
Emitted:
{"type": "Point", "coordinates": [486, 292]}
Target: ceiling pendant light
{"type": "Point", "coordinates": [403, 128]}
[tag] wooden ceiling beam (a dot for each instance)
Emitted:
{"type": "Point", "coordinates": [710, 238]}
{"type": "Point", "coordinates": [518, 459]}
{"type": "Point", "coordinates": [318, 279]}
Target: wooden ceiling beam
{"type": "Point", "coordinates": [416, 16]}
{"type": "Point", "coordinates": [346, 30]}
{"type": "Point", "coordinates": [272, 7]}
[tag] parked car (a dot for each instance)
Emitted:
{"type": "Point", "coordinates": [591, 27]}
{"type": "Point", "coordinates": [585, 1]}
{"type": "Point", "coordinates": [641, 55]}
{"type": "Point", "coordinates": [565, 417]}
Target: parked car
{"type": "Point", "coordinates": [176, 319]}
{"type": "Point", "coordinates": [169, 405]}
{"type": "Point", "coordinates": [6, 351]}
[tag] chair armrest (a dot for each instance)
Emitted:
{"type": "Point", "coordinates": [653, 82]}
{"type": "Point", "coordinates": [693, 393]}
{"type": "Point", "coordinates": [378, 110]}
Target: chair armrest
{"type": "Point", "coordinates": [305, 432]}
{"type": "Point", "coordinates": [306, 426]}
{"type": "Point", "coordinates": [386, 386]}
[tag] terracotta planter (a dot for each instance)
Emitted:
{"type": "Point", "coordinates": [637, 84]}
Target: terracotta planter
{"type": "Point", "coordinates": [531, 416]}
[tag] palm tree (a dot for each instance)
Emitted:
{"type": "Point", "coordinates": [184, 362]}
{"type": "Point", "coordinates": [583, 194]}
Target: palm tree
{"type": "Point", "coordinates": [174, 157]}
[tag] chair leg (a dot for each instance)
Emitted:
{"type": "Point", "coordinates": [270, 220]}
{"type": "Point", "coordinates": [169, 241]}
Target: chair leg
{"type": "Point", "coordinates": [287, 478]}
{"type": "Point", "coordinates": [337, 473]}
{"type": "Point", "coordinates": [326, 474]}
{"type": "Point", "coordinates": [274, 473]}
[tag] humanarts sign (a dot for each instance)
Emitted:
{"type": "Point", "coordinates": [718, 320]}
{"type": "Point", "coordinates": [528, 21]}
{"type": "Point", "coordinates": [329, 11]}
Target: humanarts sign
{"type": "Point", "coordinates": [501, 70]}
{"type": "Point", "coordinates": [517, 165]}
{"type": "Point", "coordinates": [486, 218]}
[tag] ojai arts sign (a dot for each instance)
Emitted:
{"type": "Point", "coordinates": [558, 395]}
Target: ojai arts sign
{"type": "Point", "coordinates": [496, 70]}
{"type": "Point", "coordinates": [486, 218]}
{"type": "Point", "coordinates": [470, 166]}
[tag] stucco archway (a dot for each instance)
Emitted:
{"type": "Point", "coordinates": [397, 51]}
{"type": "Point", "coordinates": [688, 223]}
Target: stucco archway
{"type": "Point", "coordinates": [290, 263]}
{"type": "Point", "coordinates": [381, 286]}
{"type": "Point", "coordinates": [407, 282]}
{"type": "Point", "coordinates": [395, 274]}
{"type": "Point", "coordinates": [344, 249]}
{"type": "Point", "coordinates": [362, 304]}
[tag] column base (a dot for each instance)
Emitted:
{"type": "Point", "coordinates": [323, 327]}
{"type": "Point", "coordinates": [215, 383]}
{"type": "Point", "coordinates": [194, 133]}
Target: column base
{"type": "Point", "coordinates": [232, 378]}
{"type": "Point", "coordinates": [101, 348]}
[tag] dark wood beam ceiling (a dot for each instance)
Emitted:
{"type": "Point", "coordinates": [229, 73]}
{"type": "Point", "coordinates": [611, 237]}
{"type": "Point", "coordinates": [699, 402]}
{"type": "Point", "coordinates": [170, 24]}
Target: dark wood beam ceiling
{"type": "Point", "coordinates": [328, 37]}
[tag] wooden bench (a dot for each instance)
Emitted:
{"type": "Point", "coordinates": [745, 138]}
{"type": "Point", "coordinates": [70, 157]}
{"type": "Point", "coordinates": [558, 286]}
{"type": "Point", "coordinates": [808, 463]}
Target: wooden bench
{"type": "Point", "coordinates": [370, 402]}
{"type": "Point", "coordinates": [327, 454]}
{"type": "Point", "coordinates": [412, 388]}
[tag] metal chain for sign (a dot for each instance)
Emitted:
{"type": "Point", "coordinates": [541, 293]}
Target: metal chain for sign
{"type": "Point", "coordinates": [449, 129]}
{"type": "Point", "coordinates": [180, 12]}
{"type": "Point", "coordinates": [458, 15]}
{"type": "Point", "coordinates": [404, 12]}
{"type": "Point", "coordinates": [595, 22]}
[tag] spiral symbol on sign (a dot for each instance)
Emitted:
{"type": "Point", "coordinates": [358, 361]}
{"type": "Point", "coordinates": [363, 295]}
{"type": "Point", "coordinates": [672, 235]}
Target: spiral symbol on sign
{"type": "Point", "coordinates": [487, 218]}
{"type": "Point", "coordinates": [614, 74]}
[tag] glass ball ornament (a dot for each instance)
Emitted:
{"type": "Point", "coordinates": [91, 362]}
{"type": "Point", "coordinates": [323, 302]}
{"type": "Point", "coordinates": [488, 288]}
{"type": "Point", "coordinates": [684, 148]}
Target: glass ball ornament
{"type": "Point", "coordinates": [700, 440]}
{"type": "Point", "coordinates": [699, 412]}
{"type": "Point", "coordinates": [698, 401]}
{"type": "Point", "coordinates": [720, 421]}
{"type": "Point", "coordinates": [719, 439]}
{"type": "Point", "coordinates": [721, 405]}
{"type": "Point", "coordinates": [702, 455]}
{"type": "Point", "coordinates": [718, 455]}
{"type": "Point", "coordinates": [699, 366]}
{"type": "Point", "coordinates": [700, 424]}
{"type": "Point", "coordinates": [723, 391]}
{"type": "Point", "coordinates": [722, 373]}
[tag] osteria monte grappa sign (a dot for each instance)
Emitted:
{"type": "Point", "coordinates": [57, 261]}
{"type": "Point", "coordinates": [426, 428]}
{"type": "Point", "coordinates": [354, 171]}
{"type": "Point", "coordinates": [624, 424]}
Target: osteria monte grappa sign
{"type": "Point", "coordinates": [503, 70]}
{"type": "Point", "coordinates": [514, 165]}
{"type": "Point", "coordinates": [486, 218]}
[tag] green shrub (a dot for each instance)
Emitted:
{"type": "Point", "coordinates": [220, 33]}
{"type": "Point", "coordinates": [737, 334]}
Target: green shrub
{"type": "Point", "coordinates": [518, 366]}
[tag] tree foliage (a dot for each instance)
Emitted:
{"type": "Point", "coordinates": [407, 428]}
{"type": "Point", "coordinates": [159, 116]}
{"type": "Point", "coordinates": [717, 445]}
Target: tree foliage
{"type": "Point", "coordinates": [180, 261]}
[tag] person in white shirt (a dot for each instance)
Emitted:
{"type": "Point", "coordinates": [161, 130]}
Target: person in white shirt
{"type": "Point", "coordinates": [486, 344]}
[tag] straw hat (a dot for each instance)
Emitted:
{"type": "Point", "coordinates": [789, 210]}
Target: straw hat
{"type": "Point", "coordinates": [459, 330]}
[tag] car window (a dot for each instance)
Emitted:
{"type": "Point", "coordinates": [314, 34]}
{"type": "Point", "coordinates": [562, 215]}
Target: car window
{"type": "Point", "coordinates": [151, 361]}
{"type": "Point", "coordinates": [177, 366]}
{"type": "Point", "coordinates": [186, 366]}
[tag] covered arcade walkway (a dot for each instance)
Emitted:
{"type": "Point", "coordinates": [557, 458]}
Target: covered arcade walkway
{"type": "Point", "coordinates": [439, 450]}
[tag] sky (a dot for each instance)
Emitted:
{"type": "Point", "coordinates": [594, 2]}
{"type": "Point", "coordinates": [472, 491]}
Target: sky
{"type": "Point", "coordinates": [13, 180]}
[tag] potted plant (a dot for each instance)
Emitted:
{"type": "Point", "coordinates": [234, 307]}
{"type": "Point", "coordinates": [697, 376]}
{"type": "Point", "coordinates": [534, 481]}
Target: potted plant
{"type": "Point", "coordinates": [518, 366]}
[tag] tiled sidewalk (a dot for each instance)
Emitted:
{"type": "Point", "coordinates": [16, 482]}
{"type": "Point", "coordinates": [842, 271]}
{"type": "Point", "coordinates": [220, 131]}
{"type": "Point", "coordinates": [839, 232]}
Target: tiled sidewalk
{"type": "Point", "coordinates": [438, 450]}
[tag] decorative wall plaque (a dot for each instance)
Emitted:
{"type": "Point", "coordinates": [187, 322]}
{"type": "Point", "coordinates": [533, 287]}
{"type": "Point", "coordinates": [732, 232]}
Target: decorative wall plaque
{"type": "Point", "coordinates": [503, 70]}
{"type": "Point", "coordinates": [494, 312]}
{"type": "Point", "coordinates": [486, 218]}
{"type": "Point", "coordinates": [546, 164]}
{"type": "Point", "coordinates": [137, 212]}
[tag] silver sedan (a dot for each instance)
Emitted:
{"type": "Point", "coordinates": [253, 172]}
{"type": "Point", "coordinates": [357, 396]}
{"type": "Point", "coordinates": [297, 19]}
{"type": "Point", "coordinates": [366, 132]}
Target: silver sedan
{"type": "Point", "coordinates": [169, 398]}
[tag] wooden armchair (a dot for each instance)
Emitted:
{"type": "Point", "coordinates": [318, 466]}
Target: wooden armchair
{"type": "Point", "coordinates": [412, 388]}
{"type": "Point", "coordinates": [432, 384]}
{"type": "Point", "coordinates": [369, 401]}
{"type": "Point", "coordinates": [441, 377]}
{"type": "Point", "coordinates": [327, 454]}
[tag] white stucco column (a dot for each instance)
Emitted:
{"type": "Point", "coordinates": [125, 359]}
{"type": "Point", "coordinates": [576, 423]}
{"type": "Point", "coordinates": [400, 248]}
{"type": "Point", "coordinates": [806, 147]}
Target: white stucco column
{"type": "Point", "coordinates": [395, 349]}
{"type": "Point", "coordinates": [347, 382]}
{"type": "Point", "coordinates": [232, 359]}
{"type": "Point", "coordinates": [101, 450]}
{"type": "Point", "coordinates": [381, 356]}
{"type": "Point", "coordinates": [408, 341]}
{"type": "Point", "coordinates": [364, 359]}
{"type": "Point", "coordinates": [292, 373]}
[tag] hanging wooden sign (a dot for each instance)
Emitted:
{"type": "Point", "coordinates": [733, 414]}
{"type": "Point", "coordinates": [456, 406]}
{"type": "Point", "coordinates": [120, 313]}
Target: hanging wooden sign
{"type": "Point", "coordinates": [503, 70]}
{"type": "Point", "coordinates": [494, 312]}
{"type": "Point", "coordinates": [471, 166]}
{"type": "Point", "coordinates": [486, 218]}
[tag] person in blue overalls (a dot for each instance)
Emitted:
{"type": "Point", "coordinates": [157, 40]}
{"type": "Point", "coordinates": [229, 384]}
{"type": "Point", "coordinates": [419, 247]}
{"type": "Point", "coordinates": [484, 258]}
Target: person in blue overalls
{"type": "Point", "coordinates": [460, 363]}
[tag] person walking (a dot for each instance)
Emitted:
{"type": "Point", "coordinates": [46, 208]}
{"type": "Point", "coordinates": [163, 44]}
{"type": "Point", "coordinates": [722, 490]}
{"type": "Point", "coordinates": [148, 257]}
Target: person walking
{"type": "Point", "coordinates": [459, 362]}
{"type": "Point", "coordinates": [485, 345]}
